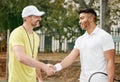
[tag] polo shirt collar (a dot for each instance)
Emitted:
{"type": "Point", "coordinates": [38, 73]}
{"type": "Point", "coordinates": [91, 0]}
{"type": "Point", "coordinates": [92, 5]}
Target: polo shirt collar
{"type": "Point", "coordinates": [94, 32]}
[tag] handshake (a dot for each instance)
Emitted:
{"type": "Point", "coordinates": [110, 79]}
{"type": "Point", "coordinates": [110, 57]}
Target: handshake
{"type": "Point", "coordinates": [52, 69]}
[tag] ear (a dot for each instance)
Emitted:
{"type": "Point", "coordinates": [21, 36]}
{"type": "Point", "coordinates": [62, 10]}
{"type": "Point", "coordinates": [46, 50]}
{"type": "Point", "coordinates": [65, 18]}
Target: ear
{"type": "Point", "coordinates": [91, 18]}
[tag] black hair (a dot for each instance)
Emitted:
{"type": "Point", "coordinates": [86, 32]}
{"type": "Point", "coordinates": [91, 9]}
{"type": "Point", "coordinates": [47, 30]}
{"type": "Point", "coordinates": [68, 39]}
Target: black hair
{"type": "Point", "coordinates": [88, 10]}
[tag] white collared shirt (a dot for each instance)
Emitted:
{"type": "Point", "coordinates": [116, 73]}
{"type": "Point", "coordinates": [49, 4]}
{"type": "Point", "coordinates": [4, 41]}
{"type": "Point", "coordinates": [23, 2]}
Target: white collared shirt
{"type": "Point", "coordinates": [92, 49]}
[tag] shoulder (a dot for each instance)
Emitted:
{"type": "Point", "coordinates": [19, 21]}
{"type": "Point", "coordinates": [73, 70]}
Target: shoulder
{"type": "Point", "coordinates": [17, 30]}
{"type": "Point", "coordinates": [104, 34]}
{"type": "Point", "coordinates": [80, 37]}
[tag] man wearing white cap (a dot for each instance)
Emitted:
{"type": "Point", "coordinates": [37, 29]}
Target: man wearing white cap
{"type": "Point", "coordinates": [23, 49]}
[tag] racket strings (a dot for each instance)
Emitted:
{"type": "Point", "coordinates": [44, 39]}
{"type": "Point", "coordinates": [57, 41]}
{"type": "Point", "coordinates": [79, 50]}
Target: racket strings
{"type": "Point", "coordinates": [99, 75]}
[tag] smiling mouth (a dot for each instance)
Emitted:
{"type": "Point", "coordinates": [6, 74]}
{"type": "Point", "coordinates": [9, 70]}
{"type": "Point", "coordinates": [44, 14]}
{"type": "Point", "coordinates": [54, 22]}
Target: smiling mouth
{"type": "Point", "coordinates": [37, 21]}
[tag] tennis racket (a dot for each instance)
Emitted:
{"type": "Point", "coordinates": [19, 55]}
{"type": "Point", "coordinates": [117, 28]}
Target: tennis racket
{"type": "Point", "coordinates": [99, 77]}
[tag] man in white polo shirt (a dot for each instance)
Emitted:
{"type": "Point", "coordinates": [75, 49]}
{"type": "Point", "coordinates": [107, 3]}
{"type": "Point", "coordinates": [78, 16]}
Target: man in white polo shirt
{"type": "Point", "coordinates": [95, 48]}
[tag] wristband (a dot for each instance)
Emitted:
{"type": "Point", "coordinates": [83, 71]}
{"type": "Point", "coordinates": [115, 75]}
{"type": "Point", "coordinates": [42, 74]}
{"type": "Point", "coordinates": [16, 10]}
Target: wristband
{"type": "Point", "coordinates": [58, 67]}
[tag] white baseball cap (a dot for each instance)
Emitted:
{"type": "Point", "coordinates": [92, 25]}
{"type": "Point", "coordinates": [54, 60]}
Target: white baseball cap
{"type": "Point", "coordinates": [31, 10]}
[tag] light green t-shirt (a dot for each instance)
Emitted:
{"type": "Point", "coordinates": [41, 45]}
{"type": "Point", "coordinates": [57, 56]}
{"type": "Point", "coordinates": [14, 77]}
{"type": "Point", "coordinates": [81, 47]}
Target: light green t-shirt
{"type": "Point", "coordinates": [19, 72]}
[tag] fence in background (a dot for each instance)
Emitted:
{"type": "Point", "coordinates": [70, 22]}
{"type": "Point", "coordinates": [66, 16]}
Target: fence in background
{"type": "Point", "coordinates": [115, 32]}
{"type": "Point", "coordinates": [50, 44]}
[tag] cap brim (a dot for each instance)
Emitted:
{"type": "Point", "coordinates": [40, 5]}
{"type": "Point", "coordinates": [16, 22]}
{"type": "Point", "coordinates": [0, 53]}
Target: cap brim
{"type": "Point", "coordinates": [41, 13]}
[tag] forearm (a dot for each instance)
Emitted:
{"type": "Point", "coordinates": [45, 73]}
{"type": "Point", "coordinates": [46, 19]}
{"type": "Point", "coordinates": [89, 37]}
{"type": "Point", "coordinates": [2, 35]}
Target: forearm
{"type": "Point", "coordinates": [31, 62]}
{"type": "Point", "coordinates": [67, 61]}
{"type": "Point", "coordinates": [110, 70]}
{"type": "Point", "coordinates": [22, 57]}
{"type": "Point", "coordinates": [110, 58]}
{"type": "Point", "coordinates": [64, 64]}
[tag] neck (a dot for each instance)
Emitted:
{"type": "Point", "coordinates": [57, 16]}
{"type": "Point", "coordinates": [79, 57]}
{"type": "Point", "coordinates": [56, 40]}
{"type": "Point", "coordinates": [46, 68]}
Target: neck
{"type": "Point", "coordinates": [91, 28]}
{"type": "Point", "coordinates": [28, 28]}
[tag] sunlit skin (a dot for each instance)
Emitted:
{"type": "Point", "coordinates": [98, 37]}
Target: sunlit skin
{"type": "Point", "coordinates": [87, 22]}
{"type": "Point", "coordinates": [84, 21]}
{"type": "Point", "coordinates": [35, 21]}
{"type": "Point", "coordinates": [31, 22]}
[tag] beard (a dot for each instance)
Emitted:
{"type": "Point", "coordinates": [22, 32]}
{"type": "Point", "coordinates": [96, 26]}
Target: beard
{"type": "Point", "coordinates": [35, 24]}
{"type": "Point", "coordinates": [84, 25]}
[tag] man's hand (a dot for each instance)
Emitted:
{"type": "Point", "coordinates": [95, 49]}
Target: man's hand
{"type": "Point", "coordinates": [51, 66]}
{"type": "Point", "coordinates": [49, 69]}
{"type": "Point", "coordinates": [40, 80]}
{"type": "Point", "coordinates": [39, 76]}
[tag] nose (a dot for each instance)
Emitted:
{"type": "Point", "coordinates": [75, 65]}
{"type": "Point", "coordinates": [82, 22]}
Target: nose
{"type": "Point", "coordinates": [40, 18]}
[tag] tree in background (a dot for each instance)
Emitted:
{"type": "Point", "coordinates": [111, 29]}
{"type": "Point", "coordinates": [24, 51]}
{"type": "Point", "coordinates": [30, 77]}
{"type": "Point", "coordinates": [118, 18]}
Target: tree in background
{"type": "Point", "coordinates": [114, 12]}
{"type": "Point", "coordinates": [11, 13]}
{"type": "Point", "coordinates": [109, 15]}
{"type": "Point", "coordinates": [55, 22]}
{"type": "Point", "coordinates": [10, 17]}
{"type": "Point", "coordinates": [83, 3]}
{"type": "Point", "coordinates": [61, 18]}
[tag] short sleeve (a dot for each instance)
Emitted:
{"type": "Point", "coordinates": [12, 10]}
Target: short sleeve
{"type": "Point", "coordinates": [76, 44]}
{"type": "Point", "coordinates": [16, 38]}
{"type": "Point", "coordinates": [108, 42]}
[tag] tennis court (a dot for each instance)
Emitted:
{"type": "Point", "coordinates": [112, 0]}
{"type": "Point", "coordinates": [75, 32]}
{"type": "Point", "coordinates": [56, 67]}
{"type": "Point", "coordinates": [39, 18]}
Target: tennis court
{"type": "Point", "coordinates": [69, 74]}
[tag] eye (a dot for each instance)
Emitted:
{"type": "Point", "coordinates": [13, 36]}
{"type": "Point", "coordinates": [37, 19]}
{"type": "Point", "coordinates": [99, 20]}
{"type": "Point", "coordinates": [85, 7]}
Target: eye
{"type": "Point", "coordinates": [81, 18]}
